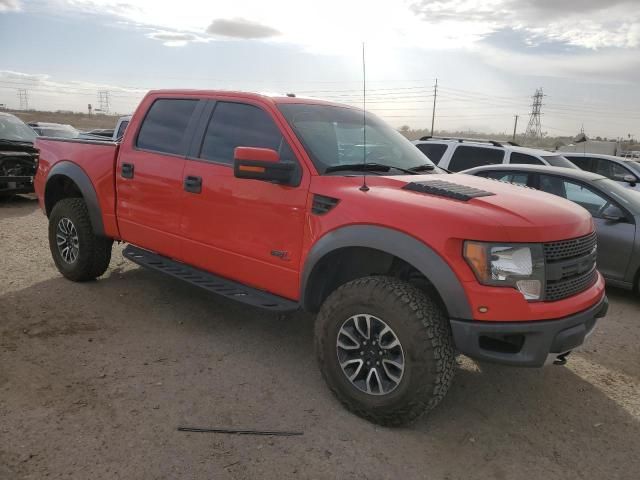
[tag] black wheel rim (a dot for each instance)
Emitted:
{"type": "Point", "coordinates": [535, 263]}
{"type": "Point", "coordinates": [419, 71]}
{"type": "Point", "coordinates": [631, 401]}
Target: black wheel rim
{"type": "Point", "coordinates": [370, 354]}
{"type": "Point", "coordinates": [67, 240]}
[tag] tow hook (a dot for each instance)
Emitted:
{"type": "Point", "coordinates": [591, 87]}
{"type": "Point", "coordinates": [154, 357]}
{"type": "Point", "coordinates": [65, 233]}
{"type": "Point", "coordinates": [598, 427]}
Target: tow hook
{"type": "Point", "coordinates": [561, 359]}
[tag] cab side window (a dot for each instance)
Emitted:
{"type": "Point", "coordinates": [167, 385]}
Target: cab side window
{"type": "Point", "coordinates": [241, 125]}
{"type": "Point", "coordinates": [164, 129]}
{"type": "Point", "coordinates": [467, 156]}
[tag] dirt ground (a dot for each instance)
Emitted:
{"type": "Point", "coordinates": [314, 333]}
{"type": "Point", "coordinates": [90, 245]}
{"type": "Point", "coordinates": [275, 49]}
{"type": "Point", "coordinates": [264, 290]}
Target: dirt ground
{"type": "Point", "coordinates": [96, 377]}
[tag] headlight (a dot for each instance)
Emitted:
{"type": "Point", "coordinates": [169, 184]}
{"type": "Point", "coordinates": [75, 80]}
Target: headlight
{"type": "Point", "coordinates": [518, 265]}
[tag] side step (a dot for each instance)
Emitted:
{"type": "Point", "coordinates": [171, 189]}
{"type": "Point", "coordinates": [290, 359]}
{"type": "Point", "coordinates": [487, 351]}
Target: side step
{"type": "Point", "coordinates": [212, 283]}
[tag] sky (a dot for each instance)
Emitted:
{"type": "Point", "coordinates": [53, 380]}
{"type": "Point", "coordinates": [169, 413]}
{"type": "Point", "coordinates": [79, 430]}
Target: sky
{"type": "Point", "coordinates": [488, 56]}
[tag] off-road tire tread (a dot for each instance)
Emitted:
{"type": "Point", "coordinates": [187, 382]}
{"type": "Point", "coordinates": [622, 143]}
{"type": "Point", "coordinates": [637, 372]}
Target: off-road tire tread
{"type": "Point", "coordinates": [99, 247]}
{"type": "Point", "coordinates": [433, 327]}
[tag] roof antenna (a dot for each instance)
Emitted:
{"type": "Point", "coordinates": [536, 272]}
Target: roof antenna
{"type": "Point", "coordinates": [364, 187]}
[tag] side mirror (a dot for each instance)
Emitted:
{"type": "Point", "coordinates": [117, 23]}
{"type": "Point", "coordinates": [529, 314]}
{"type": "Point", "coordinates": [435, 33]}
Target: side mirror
{"type": "Point", "coordinates": [630, 179]}
{"type": "Point", "coordinates": [261, 164]}
{"type": "Point", "coordinates": [613, 214]}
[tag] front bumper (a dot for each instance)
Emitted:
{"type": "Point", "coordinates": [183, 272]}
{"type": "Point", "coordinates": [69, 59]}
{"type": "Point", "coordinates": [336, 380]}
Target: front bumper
{"type": "Point", "coordinates": [525, 344]}
{"type": "Point", "coordinates": [16, 184]}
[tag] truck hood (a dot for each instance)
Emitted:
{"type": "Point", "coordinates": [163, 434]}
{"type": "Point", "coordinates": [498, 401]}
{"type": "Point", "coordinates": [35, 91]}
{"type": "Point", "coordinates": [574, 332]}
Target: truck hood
{"type": "Point", "coordinates": [502, 212]}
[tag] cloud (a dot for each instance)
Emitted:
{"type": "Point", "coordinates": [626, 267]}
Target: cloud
{"type": "Point", "coordinates": [241, 28]}
{"type": "Point", "coordinates": [174, 39]}
{"type": "Point", "coordinates": [585, 23]}
{"type": "Point", "coordinates": [9, 5]}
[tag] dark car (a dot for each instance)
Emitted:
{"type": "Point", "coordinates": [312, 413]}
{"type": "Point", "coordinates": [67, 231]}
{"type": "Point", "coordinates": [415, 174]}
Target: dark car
{"type": "Point", "coordinates": [615, 210]}
{"type": "Point", "coordinates": [18, 157]}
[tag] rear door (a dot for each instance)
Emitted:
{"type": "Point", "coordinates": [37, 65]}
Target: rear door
{"type": "Point", "coordinates": [149, 174]}
{"type": "Point", "coordinates": [246, 230]}
{"type": "Point", "coordinates": [615, 239]}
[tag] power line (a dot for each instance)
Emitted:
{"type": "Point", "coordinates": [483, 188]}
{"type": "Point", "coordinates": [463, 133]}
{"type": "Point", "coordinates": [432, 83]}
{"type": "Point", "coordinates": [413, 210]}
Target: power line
{"type": "Point", "coordinates": [433, 113]}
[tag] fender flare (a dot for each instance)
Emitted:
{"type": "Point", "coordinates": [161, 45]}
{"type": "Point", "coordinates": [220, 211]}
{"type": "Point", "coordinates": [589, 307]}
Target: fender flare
{"type": "Point", "coordinates": [84, 184]}
{"type": "Point", "coordinates": [401, 245]}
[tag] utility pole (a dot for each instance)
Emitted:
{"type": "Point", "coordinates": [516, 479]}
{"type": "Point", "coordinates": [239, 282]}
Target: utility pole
{"type": "Point", "coordinates": [23, 95]}
{"type": "Point", "coordinates": [515, 127]}
{"type": "Point", "coordinates": [534, 129]}
{"type": "Point", "coordinates": [433, 114]}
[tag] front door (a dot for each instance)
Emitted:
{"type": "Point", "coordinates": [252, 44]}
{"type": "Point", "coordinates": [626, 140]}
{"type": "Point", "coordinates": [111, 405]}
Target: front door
{"type": "Point", "coordinates": [246, 230]}
{"type": "Point", "coordinates": [149, 175]}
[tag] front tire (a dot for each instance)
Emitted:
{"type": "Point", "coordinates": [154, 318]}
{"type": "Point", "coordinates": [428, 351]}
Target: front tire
{"type": "Point", "coordinates": [385, 349]}
{"type": "Point", "coordinates": [79, 254]}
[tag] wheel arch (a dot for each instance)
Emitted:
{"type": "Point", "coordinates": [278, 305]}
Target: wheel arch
{"type": "Point", "coordinates": [319, 278]}
{"type": "Point", "coordinates": [68, 180]}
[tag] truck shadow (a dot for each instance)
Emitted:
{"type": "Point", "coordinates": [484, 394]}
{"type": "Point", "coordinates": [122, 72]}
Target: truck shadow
{"type": "Point", "coordinates": [231, 362]}
{"type": "Point", "coordinates": [17, 206]}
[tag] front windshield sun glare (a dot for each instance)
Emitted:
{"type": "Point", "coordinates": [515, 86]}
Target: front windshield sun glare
{"type": "Point", "coordinates": [336, 138]}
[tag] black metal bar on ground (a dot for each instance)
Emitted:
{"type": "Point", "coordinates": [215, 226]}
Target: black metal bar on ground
{"type": "Point", "coordinates": [240, 432]}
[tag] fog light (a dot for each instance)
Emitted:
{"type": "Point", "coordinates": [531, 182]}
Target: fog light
{"type": "Point", "coordinates": [531, 289]}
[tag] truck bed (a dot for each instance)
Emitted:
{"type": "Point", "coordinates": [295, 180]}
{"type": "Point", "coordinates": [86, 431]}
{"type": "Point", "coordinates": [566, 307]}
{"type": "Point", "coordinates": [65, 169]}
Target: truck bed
{"type": "Point", "coordinates": [96, 158]}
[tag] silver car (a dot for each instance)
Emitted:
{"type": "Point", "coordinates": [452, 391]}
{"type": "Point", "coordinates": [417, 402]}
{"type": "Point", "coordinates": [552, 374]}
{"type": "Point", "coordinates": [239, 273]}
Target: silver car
{"type": "Point", "coordinates": [615, 210]}
{"type": "Point", "coordinates": [623, 170]}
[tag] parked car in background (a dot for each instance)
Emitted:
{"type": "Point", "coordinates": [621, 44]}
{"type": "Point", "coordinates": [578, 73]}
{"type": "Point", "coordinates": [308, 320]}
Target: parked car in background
{"type": "Point", "coordinates": [18, 157]}
{"type": "Point", "coordinates": [121, 126]}
{"type": "Point", "coordinates": [615, 210]}
{"type": "Point", "coordinates": [622, 170]}
{"type": "Point", "coordinates": [457, 154]}
{"type": "Point", "coordinates": [58, 130]}
{"type": "Point", "coordinates": [113, 134]}
{"type": "Point", "coordinates": [106, 133]}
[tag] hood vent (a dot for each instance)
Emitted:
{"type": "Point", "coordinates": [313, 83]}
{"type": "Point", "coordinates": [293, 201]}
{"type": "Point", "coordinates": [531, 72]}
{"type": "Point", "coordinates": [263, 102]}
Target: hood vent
{"type": "Point", "coordinates": [322, 204]}
{"type": "Point", "coordinates": [442, 188]}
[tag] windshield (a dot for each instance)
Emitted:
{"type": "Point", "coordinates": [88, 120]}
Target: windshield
{"type": "Point", "coordinates": [559, 161]}
{"type": "Point", "coordinates": [12, 128]}
{"type": "Point", "coordinates": [334, 136]}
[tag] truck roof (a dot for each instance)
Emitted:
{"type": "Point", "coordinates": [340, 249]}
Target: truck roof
{"type": "Point", "coordinates": [274, 98]}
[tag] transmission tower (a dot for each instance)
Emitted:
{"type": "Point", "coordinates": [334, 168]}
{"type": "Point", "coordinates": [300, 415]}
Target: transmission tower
{"type": "Point", "coordinates": [23, 95]}
{"type": "Point", "coordinates": [534, 129]}
{"type": "Point", "coordinates": [104, 100]}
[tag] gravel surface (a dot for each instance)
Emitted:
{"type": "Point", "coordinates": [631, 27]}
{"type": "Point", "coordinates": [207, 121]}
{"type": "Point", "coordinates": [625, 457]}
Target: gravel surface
{"type": "Point", "coordinates": [95, 378]}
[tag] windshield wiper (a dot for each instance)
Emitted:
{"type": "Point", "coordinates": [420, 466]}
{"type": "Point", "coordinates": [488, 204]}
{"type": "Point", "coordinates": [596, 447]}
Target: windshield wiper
{"type": "Point", "coordinates": [366, 166]}
{"type": "Point", "coordinates": [423, 167]}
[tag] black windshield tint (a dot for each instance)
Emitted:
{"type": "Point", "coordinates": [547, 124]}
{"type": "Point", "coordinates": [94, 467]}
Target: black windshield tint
{"type": "Point", "coordinates": [335, 136]}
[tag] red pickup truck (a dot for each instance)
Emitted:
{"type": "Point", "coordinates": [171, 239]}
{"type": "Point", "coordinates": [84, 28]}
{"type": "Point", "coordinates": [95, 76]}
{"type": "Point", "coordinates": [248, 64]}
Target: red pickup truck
{"type": "Point", "coordinates": [287, 203]}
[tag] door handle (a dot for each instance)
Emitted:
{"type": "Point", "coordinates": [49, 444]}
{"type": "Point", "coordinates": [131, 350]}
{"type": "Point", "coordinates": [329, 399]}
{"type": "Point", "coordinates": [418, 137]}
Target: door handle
{"type": "Point", "coordinates": [193, 184]}
{"type": "Point", "coordinates": [127, 170]}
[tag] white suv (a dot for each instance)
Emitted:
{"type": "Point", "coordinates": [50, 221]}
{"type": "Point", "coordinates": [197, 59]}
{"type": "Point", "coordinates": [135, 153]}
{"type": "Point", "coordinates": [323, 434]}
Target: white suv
{"type": "Point", "coordinates": [457, 154]}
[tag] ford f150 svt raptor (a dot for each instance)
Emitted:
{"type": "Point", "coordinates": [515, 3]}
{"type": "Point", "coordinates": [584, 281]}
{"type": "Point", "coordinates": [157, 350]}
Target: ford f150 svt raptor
{"type": "Point", "coordinates": [286, 203]}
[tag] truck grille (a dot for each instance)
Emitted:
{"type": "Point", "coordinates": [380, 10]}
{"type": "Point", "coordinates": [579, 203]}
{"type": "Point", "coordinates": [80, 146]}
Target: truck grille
{"type": "Point", "coordinates": [570, 267]}
{"type": "Point", "coordinates": [566, 288]}
{"type": "Point", "coordinates": [566, 249]}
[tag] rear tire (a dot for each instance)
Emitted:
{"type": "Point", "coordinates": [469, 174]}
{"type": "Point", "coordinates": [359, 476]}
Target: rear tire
{"type": "Point", "coordinates": [373, 313]}
{"type": "Point", "coordinates": [79, 254]}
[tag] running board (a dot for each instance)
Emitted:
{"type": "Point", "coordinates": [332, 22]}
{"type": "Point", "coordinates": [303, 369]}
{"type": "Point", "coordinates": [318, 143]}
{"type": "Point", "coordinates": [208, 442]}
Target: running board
{"type": "Point", "coordinates": [212, 283]}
